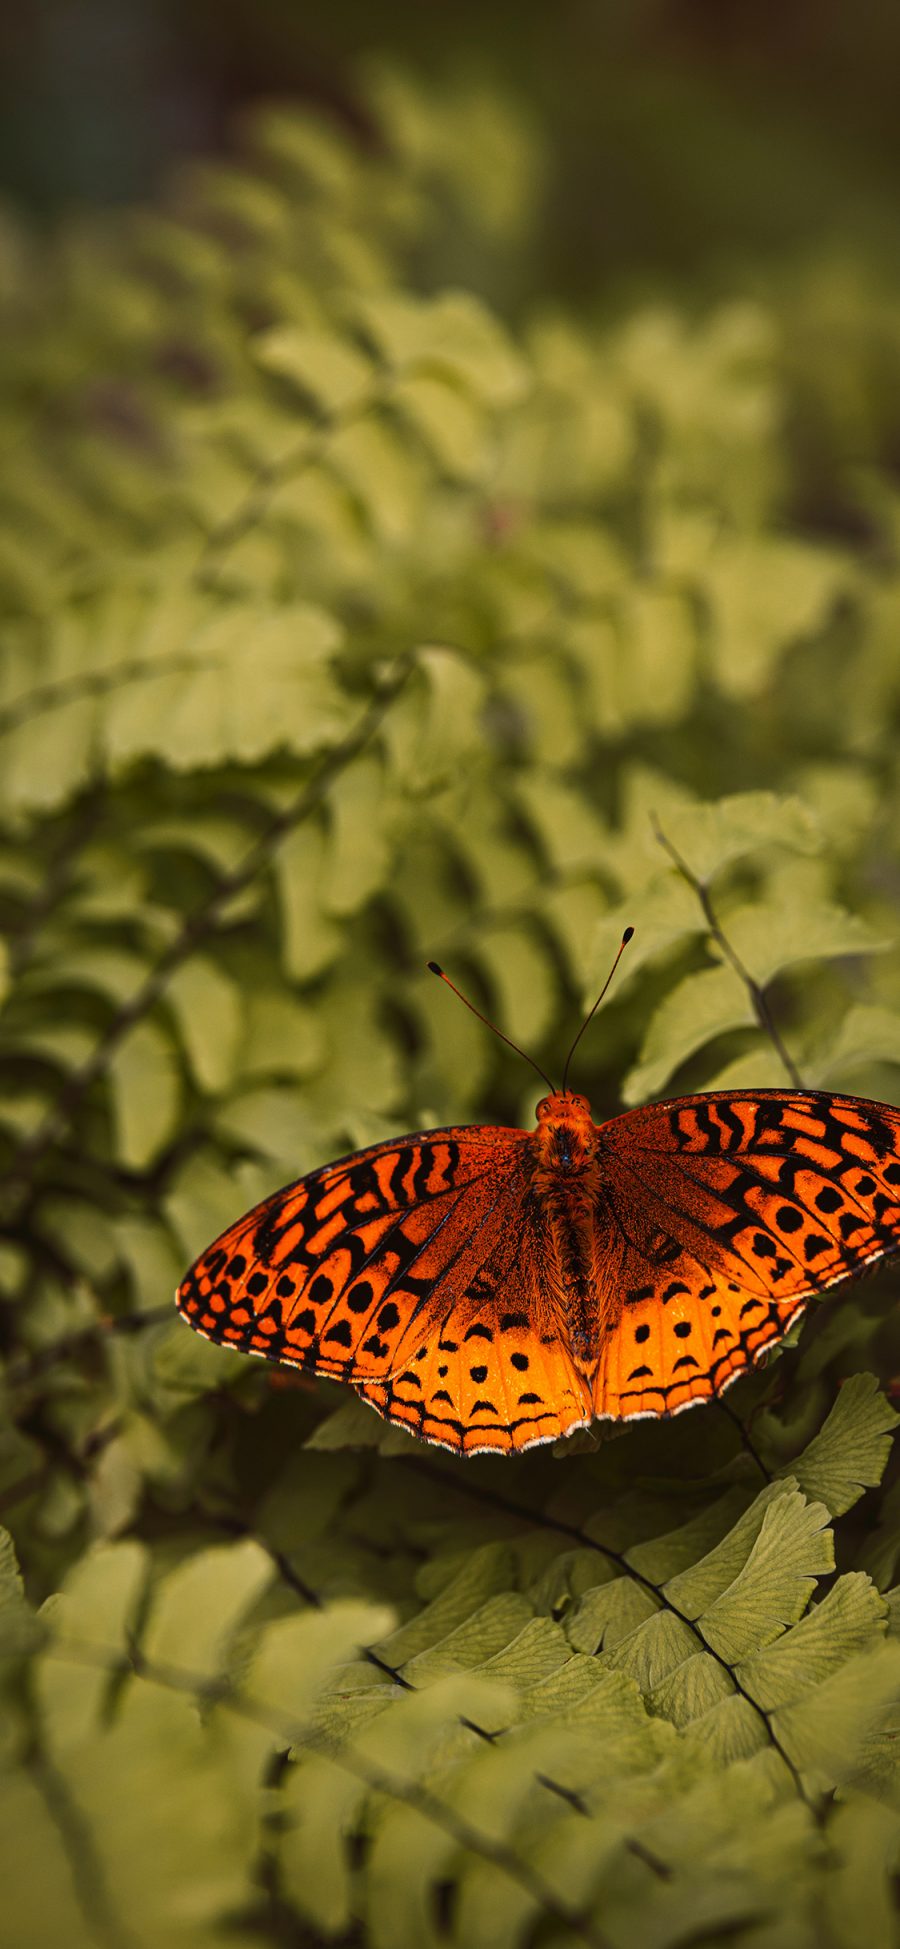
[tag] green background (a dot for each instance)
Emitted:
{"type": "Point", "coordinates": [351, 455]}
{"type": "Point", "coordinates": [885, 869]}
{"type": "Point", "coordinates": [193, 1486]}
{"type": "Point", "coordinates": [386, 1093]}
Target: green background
{"type": "Point", "coordinates": [409, 494]}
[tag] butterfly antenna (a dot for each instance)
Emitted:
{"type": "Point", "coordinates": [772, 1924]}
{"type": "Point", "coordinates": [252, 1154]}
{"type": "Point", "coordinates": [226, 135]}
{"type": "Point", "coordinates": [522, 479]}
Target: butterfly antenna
{"type": "Point", "coordinates": [589, 1018]}
{"type": "Point", "coordinates": [435, 970]}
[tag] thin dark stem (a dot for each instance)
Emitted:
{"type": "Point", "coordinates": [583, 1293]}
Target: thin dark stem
{"type": "Point", "coordinates": [88, 1880]}
{"type": "Point", "coordinates": [236, 1527]}
{"type": "Point", "coordinates": [653, 1861]}
{"type": "Point", "coordinates": [757, 994]}
{"type": "Point", "coordinates": [90, 683]}
{"type": "Point", "coordinates": [268, 477]}
{"type": "Point", "coordinates": [746, 1440]}
{"type": "Point", "coordinates": [57, 881]}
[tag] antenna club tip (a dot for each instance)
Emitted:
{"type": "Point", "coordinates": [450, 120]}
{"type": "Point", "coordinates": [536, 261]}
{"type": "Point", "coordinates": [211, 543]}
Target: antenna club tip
{"type": "Point", "coordinates": [434, 969]}
{"type": "Point", "coordinates": [626, 937]}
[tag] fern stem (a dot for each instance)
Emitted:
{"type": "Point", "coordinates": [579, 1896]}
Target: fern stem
{"type": "Point", "coordinates": [757, 994]}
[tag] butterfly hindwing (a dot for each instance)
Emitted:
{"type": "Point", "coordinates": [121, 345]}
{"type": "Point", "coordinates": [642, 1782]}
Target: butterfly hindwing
{"type": "Point", "coordinates": [495, 1374]}
{"type": "Point", "coordinates": [730, 1211]}
{"type": "Point", "coordinates": [502, 1387]}
{"type": "Point", "coordinates": [661, 1357]}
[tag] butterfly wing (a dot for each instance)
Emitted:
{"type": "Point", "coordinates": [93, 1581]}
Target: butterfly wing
{"type": "Point", "coordinates": [726, 1213]}
{"type": "Point", "coordinates": [496, 1375]}
{"type": "Point", "coordinates": [411, 1270]}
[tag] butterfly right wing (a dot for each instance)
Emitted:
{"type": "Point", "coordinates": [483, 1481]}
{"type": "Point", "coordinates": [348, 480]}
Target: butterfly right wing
{"type": "Point", "coordinates": [726, 1213]}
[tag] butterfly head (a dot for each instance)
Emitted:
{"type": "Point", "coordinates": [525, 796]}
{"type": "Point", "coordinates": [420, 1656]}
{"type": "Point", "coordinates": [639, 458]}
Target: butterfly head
{"type": "Point", "coordinates": [566, 1133]}
{"type": "Point", "coordinates": [564, 1106]}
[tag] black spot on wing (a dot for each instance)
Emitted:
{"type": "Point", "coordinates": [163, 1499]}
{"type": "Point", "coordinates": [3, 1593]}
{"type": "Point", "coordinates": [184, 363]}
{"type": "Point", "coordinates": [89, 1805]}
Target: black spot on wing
{"type": "Point", "coordinates": [828, 1199]}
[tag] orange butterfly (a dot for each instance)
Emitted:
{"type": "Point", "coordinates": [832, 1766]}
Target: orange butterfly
{"type": "Point", "coordinates": [489, 1289]}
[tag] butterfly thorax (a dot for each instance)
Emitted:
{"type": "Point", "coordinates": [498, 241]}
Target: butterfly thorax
{"type": "Point", "coordinates": [567, 1183]}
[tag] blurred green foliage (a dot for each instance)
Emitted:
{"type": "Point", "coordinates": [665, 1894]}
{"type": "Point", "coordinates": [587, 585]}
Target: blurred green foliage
{"type": "Point", "coordinates": [686, 139]}
{"type": "Point", "coordinates": [346, 628]}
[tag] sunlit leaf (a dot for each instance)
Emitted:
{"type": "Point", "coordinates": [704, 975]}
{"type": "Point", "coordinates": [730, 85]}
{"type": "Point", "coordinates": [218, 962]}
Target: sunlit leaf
{"type": "Point", "coordinates": [209, 1013]}
{"type": "Point", "coordinates": [331, 372]}
{"type": "Point", "coordinates": [710, 837]}
{"type": "Point", "coordinates": [768, 939]}
{"type": "Point", "coordinates": [146, 1094]}
{"type": "Point", "coordinates": [850, 1452]}
{"type": "Point", "coordinates": [452, 333]}
{"type": "Point", "coordinates": [774, 1587]}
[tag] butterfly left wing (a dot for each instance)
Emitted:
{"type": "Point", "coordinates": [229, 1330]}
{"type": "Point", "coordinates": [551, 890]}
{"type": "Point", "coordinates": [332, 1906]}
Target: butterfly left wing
{"type": "Point", "coordinates": [412, 1270]}
{"type": "Point", "coordinates": [332, 1271]}
{"type": "Point", "coordinates": [726, 1214]}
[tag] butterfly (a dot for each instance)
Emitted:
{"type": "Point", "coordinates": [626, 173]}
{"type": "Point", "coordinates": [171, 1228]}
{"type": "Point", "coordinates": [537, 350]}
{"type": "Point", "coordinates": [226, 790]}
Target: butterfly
{"type": "Point", "coordinates": [492, 1288]}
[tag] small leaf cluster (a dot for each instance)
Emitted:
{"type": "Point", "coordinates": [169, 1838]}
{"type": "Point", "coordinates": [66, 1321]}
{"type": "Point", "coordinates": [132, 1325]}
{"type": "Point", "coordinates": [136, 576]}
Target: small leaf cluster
{"type": "Point", "coordinates": [349, 624]}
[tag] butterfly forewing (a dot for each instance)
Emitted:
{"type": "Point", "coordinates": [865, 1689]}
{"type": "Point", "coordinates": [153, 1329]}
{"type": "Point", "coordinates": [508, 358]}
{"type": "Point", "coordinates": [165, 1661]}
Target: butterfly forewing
{"type": "Point", "coordinates": [728, 1212]}
{"type": "Point", "coordinates": [344, 1271]}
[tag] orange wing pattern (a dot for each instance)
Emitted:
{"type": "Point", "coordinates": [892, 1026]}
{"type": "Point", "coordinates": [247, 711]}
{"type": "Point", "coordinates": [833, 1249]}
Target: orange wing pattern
{"type": "Point", "coordinates": [489, 1387]}
{"type": "Point", "coordinates": [413, 1271]}
{"type": "Point", "coordinates": [726, 1213]}
{"type": "Point", "coordinates": [427, 1271]}
{"type": "Point", "coordinates": [331, 1272]}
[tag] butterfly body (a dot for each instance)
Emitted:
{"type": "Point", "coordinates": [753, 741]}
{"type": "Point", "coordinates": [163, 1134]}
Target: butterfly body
{"type": "Point", "coordinates": [568, 1188]}
{"type": "Point", "coordinates": [491, 1288]}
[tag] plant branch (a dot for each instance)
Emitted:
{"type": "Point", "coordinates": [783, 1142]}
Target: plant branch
{"type": "Point", "coordinates": [747, 1442]}
{"type": "Point", "coordinates": [756, 993]}
{"type": "Point", "coordinates": [76, 1841]}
